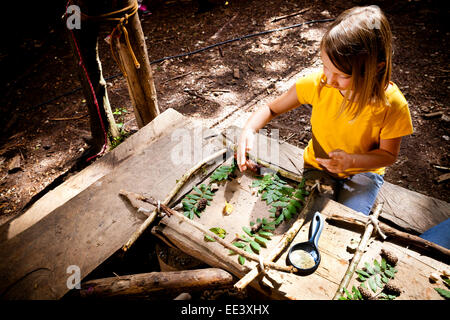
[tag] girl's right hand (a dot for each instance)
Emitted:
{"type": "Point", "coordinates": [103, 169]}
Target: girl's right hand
{"type": "Point", "coordinates": [245, 145]}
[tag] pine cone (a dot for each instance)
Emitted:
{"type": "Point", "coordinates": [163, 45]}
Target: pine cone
{"type": "Point", "coordinates": [201, 205]}
{"type": "Point", "coordinates": [392, 289]}
{"type": "Point", "coordinates": [389, 257]}
{"type": "Point", "coordinates": [365, 293]}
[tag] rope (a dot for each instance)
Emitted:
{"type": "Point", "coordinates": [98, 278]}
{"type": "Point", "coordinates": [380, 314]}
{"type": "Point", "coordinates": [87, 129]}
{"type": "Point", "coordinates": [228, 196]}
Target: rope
{"type": "Point", "coordinates": [120, 29]}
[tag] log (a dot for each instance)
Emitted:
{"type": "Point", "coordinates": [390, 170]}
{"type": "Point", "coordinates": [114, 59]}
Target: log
{"type": "Point", "coordinates": [358, 254]}
{"type": "Point", "coordinates": [139, 78]}
{"type": "Point", "coordinates": [407, 238]}
{"type": "Point", "coordinates": [157, 283]}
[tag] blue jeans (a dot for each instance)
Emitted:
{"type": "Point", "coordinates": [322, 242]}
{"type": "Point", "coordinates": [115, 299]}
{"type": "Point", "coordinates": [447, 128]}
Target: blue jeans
{"type": "Point", "coordinates": [358, 192]}
{"type": "Point", "coordinates": [439, 234]}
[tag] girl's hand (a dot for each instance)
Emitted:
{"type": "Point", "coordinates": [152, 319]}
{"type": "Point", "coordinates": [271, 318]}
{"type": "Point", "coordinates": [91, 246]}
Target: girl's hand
{"type": "Point", "coordinates": [339, 161]}
{"type": "Point", "coordinates": [245, 145]}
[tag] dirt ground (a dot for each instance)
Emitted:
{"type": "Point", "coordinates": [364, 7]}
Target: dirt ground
{"type": "Point", "coordinates": [45, 122]}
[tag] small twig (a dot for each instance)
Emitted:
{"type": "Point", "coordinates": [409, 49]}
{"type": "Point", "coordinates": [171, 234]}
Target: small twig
{"type": "Point", "coordinates": [290, 15]}
{"type": "Point", "coordinates": [193, 93]}
{"type": "Point", "coordinates": [169, 197]}
{"type": "Point", "coordinates": [178, 77]}
{"type": "Point", "coordinates": [288, 138]}
{"type": "Point", "coordinates": [68, 119]}
{"type": "Point", "coordinates": [358, 254]}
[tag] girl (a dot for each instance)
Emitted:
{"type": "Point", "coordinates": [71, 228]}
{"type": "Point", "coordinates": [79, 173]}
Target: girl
{"type": "Point", "coordinates": [358, 116]}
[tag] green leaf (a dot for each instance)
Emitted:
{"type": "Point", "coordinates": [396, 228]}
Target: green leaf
{"type": "Point", "coordinates": [279, 219]}
{"type": "Point", "coordinates": [389, 273]}
{"type": "Point", "coordinates": [357, 293]}
{"type": "Point", "coordinates": [287, 214]}
{"type": "Point", "coordinates": [384, 278]}
{"type": "Point", "coordinates": [383, 264]}
{"type": "Point", "coordinates": [219, 231]}
{"type": "Point", "coordinates": [241, 260]}
{"type": "Point", "coordinates": [376, 266]}
{"type": "Point", "coordinates": [196, 189]}
{"type": "Point", "coordinates": [255, 246]}
{"type": "Point", "coordinates": [378, 281]}
{"type": "Point", "coordinates": [207, 197]}
{"type": "Point", "coordinates": [372, 284]}
{"type": "Point", "coordinates": [363, 273]}
{"type": "Point", "coordinates": [280, 204]}
{"type": "Point", "coordinates": [239, 244]}
{"type": "Point", "coordinates": [267, 227]}
{"type": "Point", "coordinates": [369, 268]}
{"type": "Point", "coordinates": [443, 292]}
{"type": "Point", "coordinates": [265, 233]}
{"type": "Point", "coordinates": [262, 241]}
{"type": "Point", "coordinates": [349, 296]}
{"type": "Point", "coordinates": [193, 196]}
{"type": "Point", "coordinates": [247, 231]}
{"type": "Point", "coordinates": [208, 238]}
{"type": "Point", "coordinates": [361, 277]}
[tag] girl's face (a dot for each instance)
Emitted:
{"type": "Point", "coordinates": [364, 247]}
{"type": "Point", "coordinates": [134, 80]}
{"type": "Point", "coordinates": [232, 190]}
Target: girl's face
{"type": "Point", "coordinates": [335, 78]}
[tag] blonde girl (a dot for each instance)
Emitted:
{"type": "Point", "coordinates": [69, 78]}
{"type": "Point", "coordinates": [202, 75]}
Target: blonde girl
{"type": "Point", "coordinates": [358, 115]}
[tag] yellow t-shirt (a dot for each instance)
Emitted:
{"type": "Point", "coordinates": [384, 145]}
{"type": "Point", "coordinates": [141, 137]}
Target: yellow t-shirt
{"type": "Point", "coordinates": [359, 135]}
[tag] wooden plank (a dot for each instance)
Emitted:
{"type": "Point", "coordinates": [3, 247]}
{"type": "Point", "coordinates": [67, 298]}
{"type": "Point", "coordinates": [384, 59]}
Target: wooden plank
{"type": "Point", "coordinates": [162, 125]}
{"type": "Point", "coordinates": [409, 210]}
{"type": "Point", "coordinates": [248, 207]}
{"type": "Point", "coordinates": [92, 225]}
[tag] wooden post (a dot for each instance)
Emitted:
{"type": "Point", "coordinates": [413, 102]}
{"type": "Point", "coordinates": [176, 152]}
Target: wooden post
{"type": "Point", "coordinates": [140, 80]}
{"type": "Point", "coordinates": [86, 45]}
{"type": "Point", "coordinates": [157, 283]}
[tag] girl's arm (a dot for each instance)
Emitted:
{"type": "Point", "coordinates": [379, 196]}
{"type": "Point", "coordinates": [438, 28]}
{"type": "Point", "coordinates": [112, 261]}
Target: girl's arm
{"type": "Point", "coordinates": [384, 156]}
{"type": "Point", "coordinates": [287, 101]}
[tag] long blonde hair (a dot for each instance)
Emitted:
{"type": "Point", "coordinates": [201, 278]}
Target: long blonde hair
{"type": "Point", "coordinates": [359, 43]}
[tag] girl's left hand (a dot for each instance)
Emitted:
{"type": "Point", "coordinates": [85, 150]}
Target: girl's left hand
{"type": "Point", "coordinates": [339, 161]}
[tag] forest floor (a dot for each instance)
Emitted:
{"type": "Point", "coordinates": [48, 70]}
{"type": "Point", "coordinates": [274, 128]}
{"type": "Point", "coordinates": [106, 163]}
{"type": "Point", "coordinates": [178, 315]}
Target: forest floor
{"type": "Point", "coordinates": [45, 121]}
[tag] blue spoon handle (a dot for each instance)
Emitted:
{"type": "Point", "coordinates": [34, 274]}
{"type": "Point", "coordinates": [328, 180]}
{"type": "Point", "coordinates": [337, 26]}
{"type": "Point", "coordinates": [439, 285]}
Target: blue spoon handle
{"type": "Point", "coordinates": [316, 228]}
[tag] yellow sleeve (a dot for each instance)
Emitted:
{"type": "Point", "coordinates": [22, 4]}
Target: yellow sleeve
{"type": "Point", "coordinates": [307, 87]}
{"type": "Point", "coordinates": [398, 121]}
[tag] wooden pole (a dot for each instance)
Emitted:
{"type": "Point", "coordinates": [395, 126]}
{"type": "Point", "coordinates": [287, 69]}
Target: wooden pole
{"type": "Point", "coordinates": [141, 86]}
{"type": "Point", "coordinates": [157, 283]}
{"type": "Point", "coordinates": [358, 254]}
{"type": "Point", "coordinates": [84, 43]}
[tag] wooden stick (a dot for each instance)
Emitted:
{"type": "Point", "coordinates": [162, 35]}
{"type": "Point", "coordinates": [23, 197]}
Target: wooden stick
{"type": "Point", "coordinates": [290, 15]}
{"type": "Point", "coordinates": [394, 233]}
{"type": "Point", "coordinates": [157, 282]}
{"type": "Point", "coordinates": [358, 254]}
{"type": "Point", "coordinates": [200, 227]}
{"type": "Point", "coordinates": [282, 244]}
{"type": "Point", "coordinates": [169, 197]}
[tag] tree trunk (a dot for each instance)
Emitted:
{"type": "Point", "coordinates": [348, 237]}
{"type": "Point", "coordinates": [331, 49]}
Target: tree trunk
{"type": "Point", "coordinates": [86, 46]}
{"type": "Point", "coordinates": [141, 86]}
{"type": "Point", "coordinates": [157, 283]}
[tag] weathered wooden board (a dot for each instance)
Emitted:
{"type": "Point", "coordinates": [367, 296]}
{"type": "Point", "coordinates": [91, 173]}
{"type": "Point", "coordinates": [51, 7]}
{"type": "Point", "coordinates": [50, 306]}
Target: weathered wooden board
{"type": "Point", "coordinates": [411, 211]}
{"type": "Point", "coordinates": [162, 125]}
{"type": "Point", "coordinates": [92, 225]}
{"type": "Point", "coordinates": [248, 206]}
